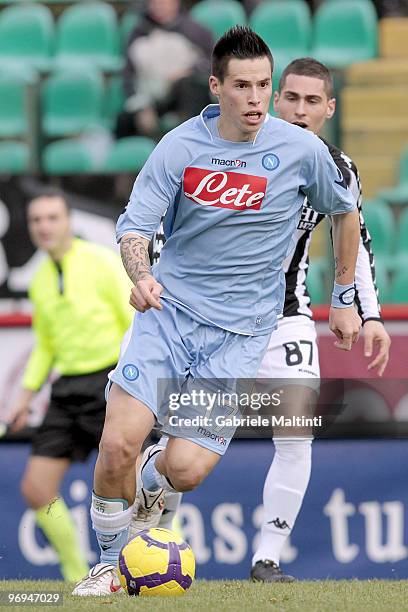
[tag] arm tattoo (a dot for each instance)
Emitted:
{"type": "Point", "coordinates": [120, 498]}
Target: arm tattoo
{"type": "Point", "coordinates": [135, 257]}
{"type": "Point", "coordinates": [341, 271]}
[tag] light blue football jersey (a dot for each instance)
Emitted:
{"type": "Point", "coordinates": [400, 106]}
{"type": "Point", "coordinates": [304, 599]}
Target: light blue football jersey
{"type": "Point", "coordinates": [232, 210]}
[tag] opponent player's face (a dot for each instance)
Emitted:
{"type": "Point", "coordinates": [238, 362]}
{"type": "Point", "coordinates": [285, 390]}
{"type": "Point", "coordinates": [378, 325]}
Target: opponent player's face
{"type": "Point", "coordinates": [244, 96]}
{"type": "Point", "coordinates": [49, 224]}
{"type": "Point", "coordinates": [303, 101]}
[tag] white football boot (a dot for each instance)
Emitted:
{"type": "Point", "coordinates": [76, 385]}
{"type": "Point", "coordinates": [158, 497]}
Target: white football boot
{"type": "Point", "coordinates": [148, 504]}
{"type": "Point", "coordinates": [102, 579]}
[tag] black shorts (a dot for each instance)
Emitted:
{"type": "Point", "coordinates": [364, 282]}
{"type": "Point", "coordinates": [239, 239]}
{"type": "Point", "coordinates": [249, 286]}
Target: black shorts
{"type": "Point", "coordinates": [73, 424]}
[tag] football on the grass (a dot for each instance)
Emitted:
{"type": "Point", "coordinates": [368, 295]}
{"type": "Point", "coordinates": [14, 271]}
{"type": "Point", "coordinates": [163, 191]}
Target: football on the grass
{"type": "Point", "coordinates": [156, 562]}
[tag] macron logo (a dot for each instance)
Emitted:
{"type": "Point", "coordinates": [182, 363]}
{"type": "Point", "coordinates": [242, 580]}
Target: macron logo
{"type": "Point", "coordinates": [236, 163]}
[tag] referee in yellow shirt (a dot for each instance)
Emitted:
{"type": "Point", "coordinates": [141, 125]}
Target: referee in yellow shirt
{"type": "Point", "coordinates": [80, 295]}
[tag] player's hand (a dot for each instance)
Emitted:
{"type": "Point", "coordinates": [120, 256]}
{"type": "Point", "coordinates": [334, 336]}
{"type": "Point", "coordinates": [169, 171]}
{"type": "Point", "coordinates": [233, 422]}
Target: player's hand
{"type": "Point", "coordinates": [146, 294]}
{"type": "Point", "coordinates": [18, 418]}
{"type": "Point", "coordinates": [376, 337]}
{"type": "Point", "coordinates": [345, 323]}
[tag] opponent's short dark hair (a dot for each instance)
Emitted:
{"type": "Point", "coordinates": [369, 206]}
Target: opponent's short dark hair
{"type": "Point", "coordinates": [310, 67]}
{"type": "Point", "coordinates": [239, 42]}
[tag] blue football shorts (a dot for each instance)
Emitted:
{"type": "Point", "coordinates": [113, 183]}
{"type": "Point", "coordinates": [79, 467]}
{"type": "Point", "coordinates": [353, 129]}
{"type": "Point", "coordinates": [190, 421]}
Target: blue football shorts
{"type": "Point", "coordinates": [188, 374]}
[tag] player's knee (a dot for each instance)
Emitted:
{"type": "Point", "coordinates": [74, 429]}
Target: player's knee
{"type": "Point", "coordinates": [35, 494]}
{"type": "Point", "coordinates": [186, 477]}
{"type": "Point", "coordinates": [184, 481]}
{"type": "Point", "coordinates": [116, 454]}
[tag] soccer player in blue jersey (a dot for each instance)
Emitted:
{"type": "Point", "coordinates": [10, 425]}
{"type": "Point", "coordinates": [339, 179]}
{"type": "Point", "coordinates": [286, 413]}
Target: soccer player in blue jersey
{"type": "Point", "coordinates": [233, 181]}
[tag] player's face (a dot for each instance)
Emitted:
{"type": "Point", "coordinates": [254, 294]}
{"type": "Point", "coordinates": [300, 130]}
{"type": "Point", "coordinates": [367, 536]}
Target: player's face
{"type": "Point", "coordinates": [49, 224]}
{"type": "Point", "coordinates": [303, 101]}
{"type": "Point", "coordinates": [244, 97]}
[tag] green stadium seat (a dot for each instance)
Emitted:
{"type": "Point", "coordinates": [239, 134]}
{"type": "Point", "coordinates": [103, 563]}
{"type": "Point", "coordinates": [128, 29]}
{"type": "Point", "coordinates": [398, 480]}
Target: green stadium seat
{"type": "Point", "coordinates": [26, 35]}
{"type": "Point", "coordinates": [128, 22]}
{"type": "Point", "coordinates": [13, 105]}
{"type": "Point", "coordinates": [67, 157]}
{"type": "Point", "coordinates": [382, 277]}
{"type": "Point", "coordinates": [399, 287]}
{"type": "Point", "coordinates": [344, 32]}
{"type": "Point", "coordinates": [88, 33]}
{"type": "Point", "coordinates": [169, 121]}
{"type": "Point", "coordinates": [114, 99]}
{"type": "Point", "coordinates": [381, 225]}
{"type": "Point", "coordinates": [397, 261]}
{"type": "Point", "coordinates": [399, 195]}
{"type": "Point", "coordinates": [219, 15]}
{"type": "Point", "coordinates": [315, 282]}
{"type": "Point", "coordinates": [402, 235]}
{"type": "Point", "coordinates": [72, 103]}
{"type": "Point", "coordinates": [128, 154]}
{"type": "Point", "coordinates": [285, 25]}
{"type": "Point", "coordinates": [23, 71]}
{"type": "Point", "coordinates": [14, 157]}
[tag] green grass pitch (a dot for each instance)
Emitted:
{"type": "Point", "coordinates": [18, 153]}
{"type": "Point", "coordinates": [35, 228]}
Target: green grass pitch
{"type": "Point", "coordinates": [235, 596]}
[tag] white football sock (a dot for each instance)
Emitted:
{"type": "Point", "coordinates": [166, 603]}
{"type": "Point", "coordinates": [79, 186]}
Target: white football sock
{"type": "Point", "coordinates": [284, 490]}
{"type": "Point", "coordinates": [110, 520]}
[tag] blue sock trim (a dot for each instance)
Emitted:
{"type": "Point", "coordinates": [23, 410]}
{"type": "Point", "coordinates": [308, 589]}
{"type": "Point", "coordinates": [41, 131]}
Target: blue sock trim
{"type": "Point", "coordinates": [111, 545]}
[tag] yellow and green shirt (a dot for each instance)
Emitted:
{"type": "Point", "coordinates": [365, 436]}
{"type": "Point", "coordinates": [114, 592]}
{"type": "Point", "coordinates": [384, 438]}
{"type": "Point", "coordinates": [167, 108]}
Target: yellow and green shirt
{"type": "Point", "coordinates": [81, 312]}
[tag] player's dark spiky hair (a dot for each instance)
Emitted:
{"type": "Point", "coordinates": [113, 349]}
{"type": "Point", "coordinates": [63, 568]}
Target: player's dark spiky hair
{"type": "Point", "coordinates": [239, 42]}
{"type": "Point", "coordinates": [308, 66]}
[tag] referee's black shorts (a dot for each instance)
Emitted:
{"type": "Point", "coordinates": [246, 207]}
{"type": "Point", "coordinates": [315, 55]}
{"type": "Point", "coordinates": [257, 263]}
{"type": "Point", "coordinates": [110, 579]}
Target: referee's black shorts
{"type": "Point", "coordinates": [73, 424]}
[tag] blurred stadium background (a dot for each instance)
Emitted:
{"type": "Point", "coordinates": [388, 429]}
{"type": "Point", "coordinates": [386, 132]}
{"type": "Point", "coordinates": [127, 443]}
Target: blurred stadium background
{"type": "Point", "coordinates": [60, 93]}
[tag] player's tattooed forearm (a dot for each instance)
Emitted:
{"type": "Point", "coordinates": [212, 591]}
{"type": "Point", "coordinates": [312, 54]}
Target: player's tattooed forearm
{"type": "Point", "coordinates": [339, 271]}
{"type": "Point", "coordinates": [135, 257]}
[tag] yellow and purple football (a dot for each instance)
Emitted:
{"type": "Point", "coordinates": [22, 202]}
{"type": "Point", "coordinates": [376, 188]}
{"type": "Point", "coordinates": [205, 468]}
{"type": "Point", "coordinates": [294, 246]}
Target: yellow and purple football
{"type": "Point", "coordinates": [156, 562]}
